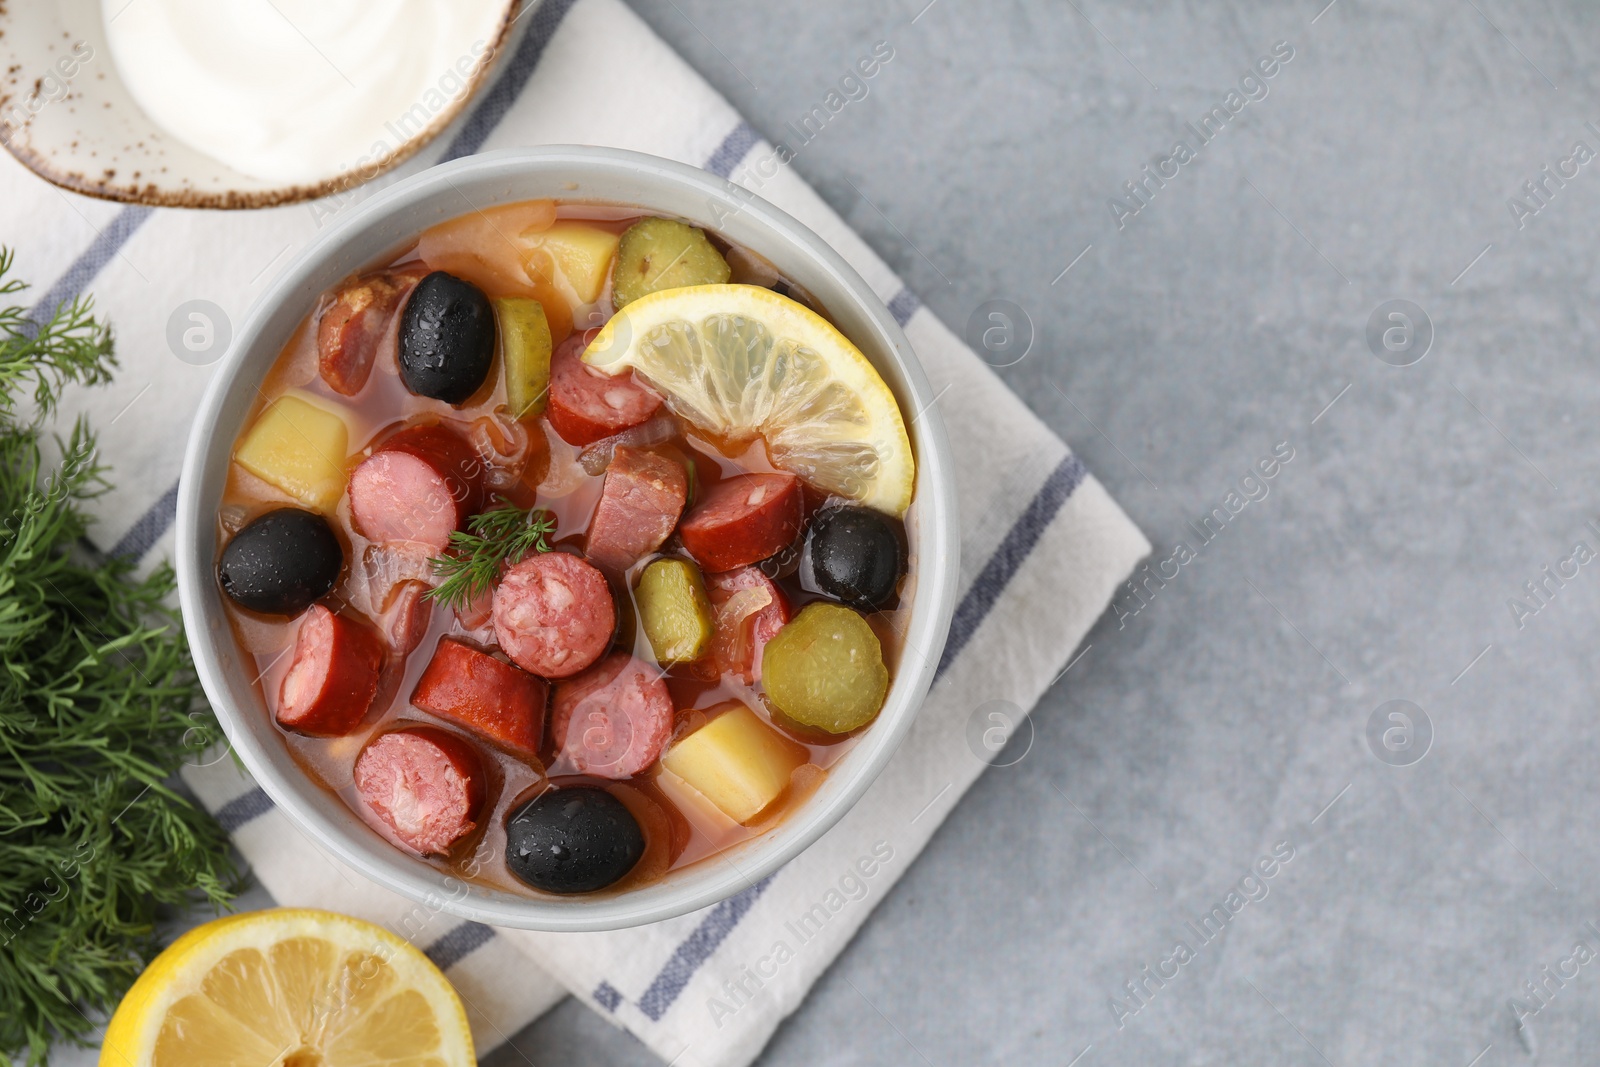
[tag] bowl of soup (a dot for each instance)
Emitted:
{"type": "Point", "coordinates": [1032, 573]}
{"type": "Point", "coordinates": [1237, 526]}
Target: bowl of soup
{"type": "Point", "coordinates": [568, 538]}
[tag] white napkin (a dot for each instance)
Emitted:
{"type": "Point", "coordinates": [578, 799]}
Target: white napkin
{"type": "Point", "coordinates": [1043, 549]}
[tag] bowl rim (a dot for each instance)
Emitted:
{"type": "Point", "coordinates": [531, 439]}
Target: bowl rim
{"type": "Point", "coordinates": [13, 136]}
{"type": "Point", "coordinates": [934, 599]}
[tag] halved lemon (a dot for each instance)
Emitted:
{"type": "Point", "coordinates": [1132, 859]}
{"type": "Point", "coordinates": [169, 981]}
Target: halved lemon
{"type": "Point", "coordinates": [289, 987]}
{"type": "Point", "coordinates": [740, 361]}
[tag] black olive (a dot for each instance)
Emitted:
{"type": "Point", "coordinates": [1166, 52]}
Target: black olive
{"type": "Point", "coordinates": [281, 563]}
{"type": "Point", "coordinates": [446, 338]}
{"type": "Point", "coordinates": [573, 840]}
{"type": "Point", "coordinates": [855, 555]}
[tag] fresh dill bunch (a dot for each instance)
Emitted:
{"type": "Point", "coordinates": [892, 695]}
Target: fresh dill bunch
{"type": "Point", "coordinates": [493, 540]}
{"type": "Point", "coordinates": [99, 706]}
{"type": "Point", "coordinates": [72, 347]}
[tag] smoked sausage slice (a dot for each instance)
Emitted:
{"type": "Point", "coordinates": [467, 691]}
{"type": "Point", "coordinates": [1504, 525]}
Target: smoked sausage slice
{"type": "Point", "coordinates": [475, 614]}
{"type": "Point", "coordinates": [418, 486]}
{"type": "Point", "coordinates": [587, 404]}
{"type": "Point", "coordinates": [553, 614]}
{"type": "Point", "coordinates": [485, 695]}
{"type": "Point", "coordinates": [613, 720]}
{"type": "Point", "coordinates": [333, 676]}
{"type": "Point", "coordinates": [406, 616]}
{"type": "Point", "coordinates": [352, 327]}
{"type": "Point", "coordinates": [640, 501]}
{"type": "Point", "coordinates": [744, 520]}
{"type": "Point", "coordinates": [748, 611]}
{"type": "Point", "coordinates": [425, 785]}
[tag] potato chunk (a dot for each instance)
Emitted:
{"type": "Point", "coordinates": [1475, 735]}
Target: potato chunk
{"type": "Point", "coordinates": [582, 253]}
{"type": "Point", "coordinates": [300, 446]}
{"type": "Point", "coordinates": [737, 761]}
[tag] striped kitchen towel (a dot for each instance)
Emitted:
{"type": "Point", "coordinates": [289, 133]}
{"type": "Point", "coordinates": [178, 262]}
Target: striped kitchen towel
{"type": "Point", "coordinates": [1043, 545]}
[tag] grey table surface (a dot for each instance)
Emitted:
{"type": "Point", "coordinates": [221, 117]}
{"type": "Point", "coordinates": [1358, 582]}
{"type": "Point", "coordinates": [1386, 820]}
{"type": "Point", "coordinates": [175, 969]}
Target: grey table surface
{"type": "Point", "coordinates": [1230, 713]}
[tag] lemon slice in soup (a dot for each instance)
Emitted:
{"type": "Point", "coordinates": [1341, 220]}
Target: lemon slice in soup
{"type": "Point", "coordinates": [740, 361]}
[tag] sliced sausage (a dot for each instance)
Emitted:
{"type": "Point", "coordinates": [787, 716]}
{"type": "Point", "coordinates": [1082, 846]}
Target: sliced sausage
{"type": "Point", "coordinates": [352, 327]}
{"type": "Point", "coordinates": [613, 720]}
{"type": "Point", "coordinates": [553, 614]}
{"type": "Point", "coordinates": [640, 501]}
{"type": "Point", "coordinates": [418, 486]}
{"type": "Point", "coordinates": [748, 611]}
{"type": "Point", "coordinates": [332, 677]}
{"type": "Point", "coordinates": [744, 520]}
{"type": "Point", "coordinates": [385, 566]}
{"type": "Point", "coordinates": [476, 613]}
{"type": "Point", "coordinates": [587, 404]}
{"type": "Point", "coordinates": [485, 695]}
{"type": "Point", "coordinates": [406, 616]}
{"type": "Point", "coordinates": [425, 785]}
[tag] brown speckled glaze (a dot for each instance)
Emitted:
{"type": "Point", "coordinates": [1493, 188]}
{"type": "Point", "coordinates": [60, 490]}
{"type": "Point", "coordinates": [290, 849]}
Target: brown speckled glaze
{"type": "Point", "coordinates": [83, 131]}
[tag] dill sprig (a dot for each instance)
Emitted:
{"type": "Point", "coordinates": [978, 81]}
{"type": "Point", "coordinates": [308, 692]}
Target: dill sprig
{"type": "Point", "coordinates": [493, 540]}
{"type": "Point", "coordinates": [71, 347]}
{"type": "Point", "coordinates": [99, 706]}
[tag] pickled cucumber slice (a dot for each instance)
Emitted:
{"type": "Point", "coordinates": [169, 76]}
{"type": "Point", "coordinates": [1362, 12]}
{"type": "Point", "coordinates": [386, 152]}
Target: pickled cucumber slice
{"type": "Point", "coordinates": [658, 254]}
{"type": "Point", "coordinates": [675, 610]}
{"type": "Point", "coordinates": [825, 671]}
{"type": "Point", "coordinates": [525, 348]}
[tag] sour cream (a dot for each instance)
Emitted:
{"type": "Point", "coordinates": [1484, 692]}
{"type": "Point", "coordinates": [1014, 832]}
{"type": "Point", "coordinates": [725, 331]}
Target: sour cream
{"type": "Point", "coordinates": [298, 91]}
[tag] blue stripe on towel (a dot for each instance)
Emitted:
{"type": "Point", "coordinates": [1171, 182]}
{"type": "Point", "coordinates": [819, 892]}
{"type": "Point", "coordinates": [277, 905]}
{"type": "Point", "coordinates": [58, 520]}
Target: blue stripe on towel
{"type": "Point", "coordinates": [731, 152]}
{"type": "Point", "coordinates": [697, 948]}
{"type": "Point", "coordinates": [607, 996]}
{"type": "Point", "coordinates": [457, 944]}
{"type": "Point", "coordinates": [150, 527]}
{"type": "Point", "coordinates": [503, 94]}
{"type": "Point", "coordinates": [1014, 549]}
{"type": "Point", "coordinates": [242, 808]}
{"type": "Point", "coordinates": [106, 244]}
{"type": "Point", "coordinates": [903, 306]}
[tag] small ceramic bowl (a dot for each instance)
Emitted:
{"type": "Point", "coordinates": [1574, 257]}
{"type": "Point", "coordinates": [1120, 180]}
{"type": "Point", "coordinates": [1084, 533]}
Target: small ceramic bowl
{"type": "Point", "coordinates": [373, 232]}
{"type": "Point", "coordinates": [66, 114]}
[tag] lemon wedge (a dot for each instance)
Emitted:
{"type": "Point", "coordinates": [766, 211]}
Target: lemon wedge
{"type": "Point", "coordinates": [740, 361]}
{"type": "Point", "coordinates": [289, 987]}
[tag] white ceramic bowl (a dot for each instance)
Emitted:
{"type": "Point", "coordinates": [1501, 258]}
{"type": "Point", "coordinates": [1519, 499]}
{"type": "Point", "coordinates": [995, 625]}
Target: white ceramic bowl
{"type": "Point", "coordinates": [376, 229]}
{"type": "Point", "coordinates": [66, 114]}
